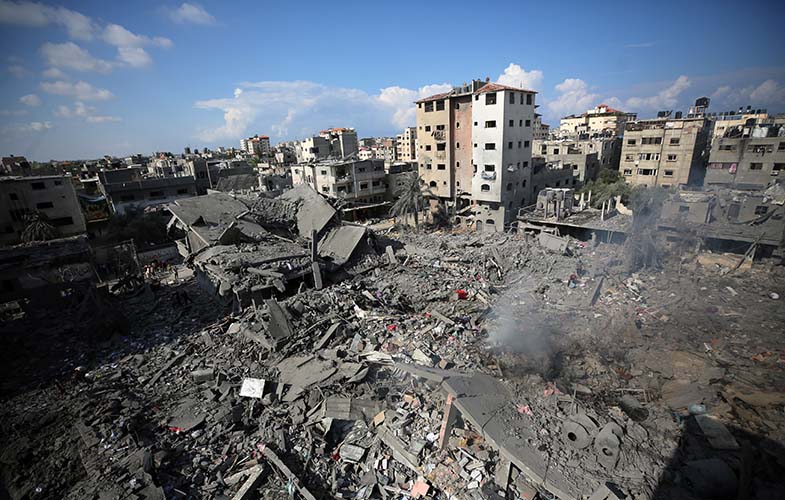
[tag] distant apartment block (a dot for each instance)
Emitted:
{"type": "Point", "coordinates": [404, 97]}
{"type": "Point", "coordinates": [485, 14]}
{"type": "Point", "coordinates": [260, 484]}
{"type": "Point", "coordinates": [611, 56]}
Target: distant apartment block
{"type": "Point", "coordinates": [258, 145]}
{"type": "Point", "coordinates": [599, 120]}
{"type": "Point", "coordinates": [752, 160]}
{"type": "Point", "coordinates": [16, 165]}
{"type": "Point", "coordinates": [362, 181]}
{"type": "Point", "coordinates": [665, 151]}
{"type": "Point", "coordinates": [576, 155]}
{"type": "Point", "coordinates": [474, 151]}
{"type": "Point", "coordinates": [343, 141]}
{"type": "Point", "coordinates": [54, 196]}
{"type": "Point", "coordinates": [406, 145]}
{"type": "Point", "coordinates": [540, 130]}
{"type": "Point", "coordinates": [312, 149]}
{"type": "Point", "coordinates": [128, 188]}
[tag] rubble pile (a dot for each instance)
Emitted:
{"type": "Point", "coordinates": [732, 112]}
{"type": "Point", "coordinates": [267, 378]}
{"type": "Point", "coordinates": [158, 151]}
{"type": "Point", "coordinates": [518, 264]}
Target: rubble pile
{"type": "Point", "coordinates": [436, 366]}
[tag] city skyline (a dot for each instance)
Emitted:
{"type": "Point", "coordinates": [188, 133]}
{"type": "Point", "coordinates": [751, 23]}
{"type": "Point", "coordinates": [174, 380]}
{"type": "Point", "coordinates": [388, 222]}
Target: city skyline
{"type": "Point", "coordinates": [86, 79]}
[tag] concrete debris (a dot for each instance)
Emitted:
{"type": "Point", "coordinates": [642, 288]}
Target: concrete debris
{"type": "Point", "coordinates": [318, 359]}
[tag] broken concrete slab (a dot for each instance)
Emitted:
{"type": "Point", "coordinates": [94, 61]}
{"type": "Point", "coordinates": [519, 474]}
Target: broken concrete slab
{"type": "Point", "coordinates": [252, 388]}
{"type": "Point", "coordinates": [553, 243]}
{"type": "Point", "coordinates": [339, 244]}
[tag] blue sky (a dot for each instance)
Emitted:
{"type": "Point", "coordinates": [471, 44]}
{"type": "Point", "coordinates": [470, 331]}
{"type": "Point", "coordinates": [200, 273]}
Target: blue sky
{"type": "Point", "coordinates": [83, 79]}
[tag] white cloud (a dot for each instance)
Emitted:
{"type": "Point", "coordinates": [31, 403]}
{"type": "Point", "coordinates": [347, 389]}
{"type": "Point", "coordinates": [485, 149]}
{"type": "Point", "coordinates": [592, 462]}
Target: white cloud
{"type": "Point", "coordinates": [30, 100]}
{"type": "Point", "coordinates": [80, 90]}
{"type": "Point", "coordinates": [37, 126]}
{"type": "Point", "coordinates": [53, 73]}
{"type": "Point", "coordinates": [116, 35]}
{"type": "Point", "coordinates": [768, 92]}
{"type": "Point", "coordinates": [574, 97]}
{"type": "Point", "coordinates": [302, 107]}
{"type": "Point", "coordinates": [191, 13]}
{"type": "Point", "coordinates": [70, 55]}
{"type": "Point", "coordinates": [135, 57]}
{"type": "Point", "coordinates": [82, 110]}
{"type": "Point", "coordinates": [78, 26]}
{"type": "Point", "coordinates": [722, 91]}
{"type": "Point", "coordinates": [666, 98]}
{"type": "Point", "coordinates": [516, 76]}
{"type": "Point", "coordinates": [18, 70]}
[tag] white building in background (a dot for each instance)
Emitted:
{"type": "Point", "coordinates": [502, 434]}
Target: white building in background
{"type": "Point", "coordinates": [406, 145]}
{"type": "Point", "coordinates": [601, 119]}
{"type": "Point", "coordinates": [258, 145]}
{"type": "Point", "coordinates": [311, 149]}
{"type": "Point", "coordinates": [343, 141]}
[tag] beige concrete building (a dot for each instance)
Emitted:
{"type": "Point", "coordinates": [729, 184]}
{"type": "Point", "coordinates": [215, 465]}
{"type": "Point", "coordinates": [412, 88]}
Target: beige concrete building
{"type": "Point", "coordinates": [540, 131]}
{"type": "Point", "coordinates": [600, 120]}
{"type": "Point", "coordinates": [54, 196]}
{"type": "Point", "coordinates": [406, 145]}
{"type": "Point", "coordinates": [343, 141]}
{"type": "Point", "coordinates": [360, 181]}
{"type": "Point", "coordinates": [727, 121]}
{"type": "Point", "coordinates": [258, 145]}
{"type": "Point", "coordinates": [606, 148]}
{"type": "Point", "coordinates": [750, 161]}
{"type": "Point", "coordinates": [665, 151]}
{"type": "Point", "coordinates": [474, 151]}
{"type": "Point", "coordinates": [575, 155]}
{"type": "Point", "coordinates": [311, 149]}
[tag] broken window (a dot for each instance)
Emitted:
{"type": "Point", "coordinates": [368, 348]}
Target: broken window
{"type": "Point", "coordinates": [490, 98]}
{"type": "Point", "coordinates": [325, 189]}
{"type": "Point", "coordinates": [781, 147]}
{"type": "Point", "coordinates": [490, 124]}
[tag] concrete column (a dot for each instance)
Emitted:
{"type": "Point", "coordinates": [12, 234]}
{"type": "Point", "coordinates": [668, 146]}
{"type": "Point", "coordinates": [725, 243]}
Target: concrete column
{"type": "Point", "coordinates": [448, 421]}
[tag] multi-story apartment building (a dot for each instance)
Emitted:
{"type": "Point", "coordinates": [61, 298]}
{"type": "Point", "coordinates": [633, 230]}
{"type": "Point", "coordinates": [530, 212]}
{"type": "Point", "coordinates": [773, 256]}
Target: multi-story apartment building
{"type": "Point", "coordinates": [377, 152]}
{"type": "Point", "coordinates": [258, 145]}
{"type": "Point", "coordinates": [343, 141]}
{"type": "Point", "coordinates": [358, 181]}
{"type": "Point", "coordinates": [53, 196]}
{"type": "Point", "coordinates": [601, 119]}
{"type": "Point", "coordinates": [540, 130]}
{"type": "Point", "coordinates": [752, 160]}
{"type": "Point", "coordinates": [474, 151]}
{"type": "Point", "coordinates": [406, 145]}
{"type": "Point", "coordinates": [665, 151]}
{"type": "Point", "coordinates": [576, 155]}
{"type": "Point", "coordinates": [729, 120]}
{"type": "Point", "coordinates": [312, 149]}
{"type": "Point", "coordinates": [607, 149]}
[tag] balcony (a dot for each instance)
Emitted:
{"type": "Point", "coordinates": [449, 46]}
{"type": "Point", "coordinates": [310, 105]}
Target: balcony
{"type": "Point", "coordinates": [488, 176]}
{"type": "Point", "coordinates": [439, 135]}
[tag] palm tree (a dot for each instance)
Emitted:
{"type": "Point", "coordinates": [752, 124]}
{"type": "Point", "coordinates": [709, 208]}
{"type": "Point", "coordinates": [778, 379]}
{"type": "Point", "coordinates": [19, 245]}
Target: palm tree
{"type": "Point", "coordinates": [38, 228]}
{"type": "Point", "coordinates": [412, 198]}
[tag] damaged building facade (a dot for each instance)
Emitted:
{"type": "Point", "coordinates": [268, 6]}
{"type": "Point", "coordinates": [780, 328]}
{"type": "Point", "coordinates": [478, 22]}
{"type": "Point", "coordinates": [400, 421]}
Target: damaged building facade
{"type": "Point", "coordinates": [748, 157]}
{"type": "Point", "coordinates": [474, 151]}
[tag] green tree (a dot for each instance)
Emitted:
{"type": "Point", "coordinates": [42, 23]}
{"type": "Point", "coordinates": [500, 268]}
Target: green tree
{"type": "Point", "coordinates": [38, 228]}
{"type": "Point", "coordinates": [412, 198]}
{"type": "Point", "coordinates": [609, 184]}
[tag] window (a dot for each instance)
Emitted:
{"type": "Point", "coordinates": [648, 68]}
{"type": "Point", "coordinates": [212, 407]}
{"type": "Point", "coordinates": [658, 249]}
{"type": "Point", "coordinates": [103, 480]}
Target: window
{"type": "Point", "coordinates": [630, 142]}
{"type": "Point", "coordinates": [629, 157]}
{"type": "Point", "coordinates": [428, 166]}
{"type": "Point", "coordinates": [361, 169]}
{"type": "Point", "coordinates": [363, 185]}
{"type": "Point", "coordinates": [325, 189]}
{"type": "Point", "coordinates": [519, 144]}
{"type": "Point", "coordinates": [490, 222]}
{"type": "Point", "coordinates": [528, 123]}
{"type": "Point", "coordinates": [440, 166]}
{"type": "Point", "coordinates": [651, 140]}
{"type": "Point", "coordinates": [512, 123]}
{"type": "Point", "coordinates": [777, 167]}
{"type": "Point", "coordinates": [457, 105]}
{"type": "Point", "coordinates": [442, 146]}
{"type": "Point", "coordinates": [427, 147]}
{"type": "Point", "coordinates": [61, 221]}
{"type": "Point", "coordinates": [520, 123]}
{"type": "Point", "coordinates": [457, 124]}
{"type": "Point", "coordinates": [490, 124]}
{"type": "Point", "coordinates": [509, 186]}
{"type": "Point", "coordinates": [781, 147]}
{"type": "Point", "coordinates": [457, 164]}
{"type": "Point", "coordinates": [490, 98]}
{"type": "Point", "coordinates": [457, 145]}
{"type": "Point", "coordinates": [37, 186]}
{"type": "Point", "coordinates": [439, 127]}
{"type": "Point", "coordinates": [671, 158]}
{"type": "Point", "coordinates": [525, 164]}
{"type": "Point", "coordinates": [669, 173]}
{"type": "Point", "coordinates": [475, 124]}
{"type": "Point", "coordinates": [432, 184]}
{"type": "Point", "coordinates": [490, 168]}
{"type": "Point", "coordinates": [648, 156]}
{"type": "Point", "coordinates": [528, 98]}
{"type": "Point", "coordinates": [512, 97]}
{"type": "Point", "coordinates": [647, 171]}
{"type": "Point", "coordinates": [627, 171]}
{"type": "Point", "coordinates": [684, 208]}
{"type": "Point", "coordinates": [509, 145]}
{"type": "Point", "coordinates": [429, 107]}
{"type": "Point", "coordinates": [427, 128]}
{"type": "Point", "coordinates": [490, 145]}
{"type": "Point", "coordinates": [756, 166]}
{"type": "Point", "coordinates": [727, 147]}
{"type": "Point", "coordinates": [525, 144]}
{"type": "Point", "coordinates": [439, 105]}
{"type": "Point", "coordinates": [13, 196]}
{"type": "Point", "coordinates": [674, 141]}
{"type": "Point", "coordinates": [485, 188]}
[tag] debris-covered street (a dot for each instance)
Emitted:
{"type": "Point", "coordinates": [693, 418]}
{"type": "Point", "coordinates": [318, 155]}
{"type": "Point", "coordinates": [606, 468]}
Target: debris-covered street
{"type": "Point", "coordinates": [430, 365]}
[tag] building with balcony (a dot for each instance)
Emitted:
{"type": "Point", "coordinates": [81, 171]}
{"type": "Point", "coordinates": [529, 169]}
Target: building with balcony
{"type": "Point", "coordinates": [602, 119]}
{"type": "Point", "coordinates": [753, 159]}
{"type": "Point", "coordinates": [665, 151]}
{"type": "Point", "coordinates": [342, 141]}
{"type": "Point", "coordinates": [52, 195]}
{"type": "Point", "coordinates": [586, 157]}
{"type": "Point", "coordinates": [474, 151]}
{"type": "Point", "coordinates": [357, 181]}
{"type": "Point", "coordinates": [258, 145]}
